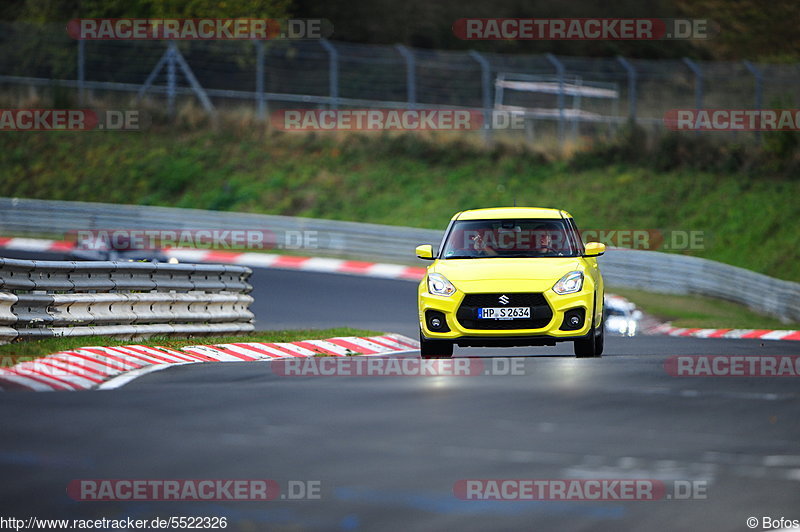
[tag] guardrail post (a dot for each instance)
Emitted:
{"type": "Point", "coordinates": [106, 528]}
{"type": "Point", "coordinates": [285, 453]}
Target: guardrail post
{"type": "Point", "coordinates": [759, 77]}
{"type": "Point", "coordinates": [261, 107]}
{"type": "Point", "coordinates": [411, 75]}
{"type": "Point", "coordinates": [632, 96]}
{"type": "Point", "coordinates": [698, 84]}
{"type": "Point", "coordinates": [486, 96]}
{"type": "Point", "coordinates": [333, 72]}
{"type": "Point", "coordinates": [81, 71]}
{"type": "Point", "coordinates": [560, 70]}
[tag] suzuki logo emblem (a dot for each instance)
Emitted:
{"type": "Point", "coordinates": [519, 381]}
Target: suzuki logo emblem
{"type": "Point", "coordinates": [503, 299]}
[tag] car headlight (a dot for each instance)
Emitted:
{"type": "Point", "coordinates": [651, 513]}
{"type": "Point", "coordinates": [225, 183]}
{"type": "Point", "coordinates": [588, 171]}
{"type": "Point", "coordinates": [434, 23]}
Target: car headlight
{"type": "Point", "coordinates": [439, 285]}
{"type": "Point", "coordinates": [569, 284]}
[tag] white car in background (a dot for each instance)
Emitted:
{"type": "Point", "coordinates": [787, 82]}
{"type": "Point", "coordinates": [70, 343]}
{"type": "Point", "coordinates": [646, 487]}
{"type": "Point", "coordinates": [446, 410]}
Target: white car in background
{"type": "Point", "coordinates": [621, 316]}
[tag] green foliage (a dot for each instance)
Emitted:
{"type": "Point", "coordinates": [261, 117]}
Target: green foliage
{"type": "Point", "coordinates": [751, 29]}
{"type": "Point", "coordinates": [779, 157]}
{"type": "Point", "coordinates": [745, 210]}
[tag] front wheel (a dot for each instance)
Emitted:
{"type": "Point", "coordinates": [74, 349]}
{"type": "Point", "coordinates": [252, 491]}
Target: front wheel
{"type": "Point", "coordinates": [434, 348]}
{"type": "Point", "coordinates": [593, 346]}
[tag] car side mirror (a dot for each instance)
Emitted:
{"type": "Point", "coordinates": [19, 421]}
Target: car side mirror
{"type": "Point", "coordinates": [425, 251]}
{"type": "Point", "coordinates": [594, 249]}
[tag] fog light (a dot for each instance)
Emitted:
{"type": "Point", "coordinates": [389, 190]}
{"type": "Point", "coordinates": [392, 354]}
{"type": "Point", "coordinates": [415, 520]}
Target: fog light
{"type": "Point", "coordinates": [436, 321]}
{"type": "Point", "coordinates": [573, 319]}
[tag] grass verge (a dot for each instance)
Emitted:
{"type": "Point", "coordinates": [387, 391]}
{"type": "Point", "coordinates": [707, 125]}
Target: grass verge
{"type": "Point", "coordinates": [26, 350]}
{"type": "Point", "coordinates": [700, 312]}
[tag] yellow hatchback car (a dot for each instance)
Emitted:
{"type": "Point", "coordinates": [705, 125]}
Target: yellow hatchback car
{"type": "Point", "coordinates": [511, 276]}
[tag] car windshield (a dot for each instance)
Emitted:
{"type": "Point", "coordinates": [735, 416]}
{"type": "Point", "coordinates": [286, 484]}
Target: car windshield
{"type": "Point", "coordinates": [527, 238]}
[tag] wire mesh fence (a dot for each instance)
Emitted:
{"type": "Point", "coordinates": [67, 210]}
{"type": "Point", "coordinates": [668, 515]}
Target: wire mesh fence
{"type": "Point", "coordinates": [271, 75]}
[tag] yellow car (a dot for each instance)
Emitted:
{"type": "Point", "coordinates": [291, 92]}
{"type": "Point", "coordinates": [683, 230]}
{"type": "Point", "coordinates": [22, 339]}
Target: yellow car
{"type": "Point", "coordinates": [511, 276]}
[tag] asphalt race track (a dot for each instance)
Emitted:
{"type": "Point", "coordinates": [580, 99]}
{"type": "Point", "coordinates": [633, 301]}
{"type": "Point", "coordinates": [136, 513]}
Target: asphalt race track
{"type": "Point", "coordinates": [388, 450]}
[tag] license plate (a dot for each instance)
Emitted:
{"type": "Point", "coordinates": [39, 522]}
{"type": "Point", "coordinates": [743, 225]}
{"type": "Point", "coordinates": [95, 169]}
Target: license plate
{"type": "Point", "coordinates": [504, 313]}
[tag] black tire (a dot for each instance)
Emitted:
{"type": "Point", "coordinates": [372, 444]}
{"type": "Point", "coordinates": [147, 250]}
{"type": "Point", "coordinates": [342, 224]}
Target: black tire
{"type": "Point", "coordinates": [434, 348]}
{"type": "Point", "coordinates": [584, 347]}
{"type": "Point", "coordinates": [599, 340]}
{"type": "Point", "coordinates": [592, 346]}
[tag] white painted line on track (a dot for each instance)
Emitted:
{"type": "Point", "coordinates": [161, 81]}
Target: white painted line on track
{"type": "Point", "coordinates": [125, 378]}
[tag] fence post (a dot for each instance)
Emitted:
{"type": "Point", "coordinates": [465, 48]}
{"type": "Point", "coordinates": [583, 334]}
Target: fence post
{"type": "Point", "coordinates": [559, 66]}
{"type": "Point", "coordinates": [333, 72]}
{"type": "Point", "coordinates": [261, 107]}
{"type": "Point", "coordinates": [411, 75]}
{"type": "Point", "coordinates": [81, 71]}
{"type": "Point", "coordinates": [486, 96]}
{"type": "Point", "coordinates": [631, 87]}
{"type": "Point", "coordinates": [698, 84]}
{"type": "Point", "coordinates": [178, 58]}
{"type": "Point", "coordinates": [759, 77]}
{"type": "Point", "coordinates": [171, 80]}
{"type": "Point", "coordinates": [153, 74]}
{"type": "Point", "coordinates": [173, 59]}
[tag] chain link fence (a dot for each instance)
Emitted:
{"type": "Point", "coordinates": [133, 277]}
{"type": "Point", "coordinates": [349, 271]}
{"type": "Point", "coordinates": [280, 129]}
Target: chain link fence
{"type": "Point", "coordinates": [272, 75]}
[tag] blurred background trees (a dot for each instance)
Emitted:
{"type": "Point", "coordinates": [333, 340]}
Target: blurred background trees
{"type": "Point", "coordinates": [749, 29]}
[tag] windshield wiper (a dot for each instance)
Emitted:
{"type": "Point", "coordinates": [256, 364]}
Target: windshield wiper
{"type": "Point", "coordinates": [462, 257]}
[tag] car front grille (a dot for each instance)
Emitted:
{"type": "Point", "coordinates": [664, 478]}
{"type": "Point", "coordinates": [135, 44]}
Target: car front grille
{"type": "Point", "coordinates": [467, 314]}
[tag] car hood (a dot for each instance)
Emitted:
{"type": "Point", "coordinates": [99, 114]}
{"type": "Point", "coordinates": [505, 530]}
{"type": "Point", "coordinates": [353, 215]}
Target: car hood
{"type": "Point", "coordinates": [547, 268]}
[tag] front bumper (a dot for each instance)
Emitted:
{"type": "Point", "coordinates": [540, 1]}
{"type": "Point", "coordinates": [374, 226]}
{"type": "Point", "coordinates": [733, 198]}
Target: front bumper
{"type": "Point", "coordinates": [545, 335]}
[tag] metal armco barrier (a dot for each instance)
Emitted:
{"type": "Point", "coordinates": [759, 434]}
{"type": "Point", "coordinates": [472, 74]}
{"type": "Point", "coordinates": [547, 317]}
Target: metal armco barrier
{"type": "Point", "coordinates": [57, 218]}
{"type": "Point", "coordinates": [680, 274]}
{"type": "Point", "coordinates": [650, 270]}
{"type": "Point", "coordinates": [122, 299]}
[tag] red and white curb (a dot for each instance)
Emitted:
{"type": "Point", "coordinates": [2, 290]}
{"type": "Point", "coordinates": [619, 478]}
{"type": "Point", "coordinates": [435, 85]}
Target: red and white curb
{"type": "Point", "coordinates": [89, 368]}
{"type": "Point", "coordinates": [35, 244]}
{"type": "Point", "coordinates": [256, 260]}
{"type": "Point", "coordinates": [761, 334]}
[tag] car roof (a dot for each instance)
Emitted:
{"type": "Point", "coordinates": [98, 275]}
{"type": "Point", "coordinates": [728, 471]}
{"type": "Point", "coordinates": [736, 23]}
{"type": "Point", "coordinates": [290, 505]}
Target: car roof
{"type": "Point", "coordinates": [511, 212]}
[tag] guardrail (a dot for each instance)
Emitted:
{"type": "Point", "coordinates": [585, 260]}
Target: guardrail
{"type": "Point", "coordinates": [335, 238]}
{"type": "Point", "coordinates": [649, 270]}
{"type": "Point", "coordinates": [680, 274]}
{"type": "Point", "coordinates": [122, 299]}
